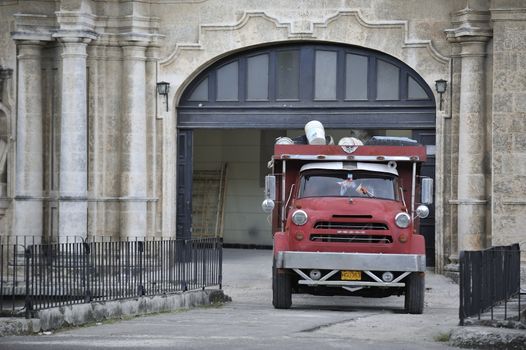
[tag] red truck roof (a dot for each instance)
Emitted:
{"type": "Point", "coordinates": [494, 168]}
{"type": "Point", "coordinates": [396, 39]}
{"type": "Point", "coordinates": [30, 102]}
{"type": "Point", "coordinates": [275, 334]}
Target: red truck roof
{"type": "Point", "coordinates": [351, 153]}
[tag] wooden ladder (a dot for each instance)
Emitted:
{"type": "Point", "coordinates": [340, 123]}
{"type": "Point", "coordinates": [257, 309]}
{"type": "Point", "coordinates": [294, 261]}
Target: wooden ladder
{"type": "Point", "coordinates": [208, 198]}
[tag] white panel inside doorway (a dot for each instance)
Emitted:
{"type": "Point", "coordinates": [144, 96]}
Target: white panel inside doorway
{"type": "Point", "coordinates": [244, 221]}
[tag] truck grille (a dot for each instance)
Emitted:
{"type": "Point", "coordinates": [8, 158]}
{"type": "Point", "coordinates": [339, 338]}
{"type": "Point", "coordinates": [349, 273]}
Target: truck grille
{"type": "Point", "coordinates": [350, 225]}
{"type": "Point", "coordinates": [351, 238]}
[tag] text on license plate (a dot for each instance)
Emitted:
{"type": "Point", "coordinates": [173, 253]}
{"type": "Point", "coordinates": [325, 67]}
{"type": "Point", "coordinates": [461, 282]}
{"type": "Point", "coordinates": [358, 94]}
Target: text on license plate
{"type": "Point", "coordinates": [351, 275]}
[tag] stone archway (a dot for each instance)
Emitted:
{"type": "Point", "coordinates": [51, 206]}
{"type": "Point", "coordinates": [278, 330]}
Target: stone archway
{"type": "Point", "coordinates": [284, 86]}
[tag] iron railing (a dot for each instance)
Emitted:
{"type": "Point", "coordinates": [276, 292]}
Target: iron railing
{"type": "Point", "coordinates": [490, 283]}
{"type": "Point", "coordinates": [40, 276]}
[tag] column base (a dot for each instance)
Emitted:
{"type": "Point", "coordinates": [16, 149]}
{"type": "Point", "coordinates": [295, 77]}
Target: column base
{"type": "Point", "coordinates": [452, 271]}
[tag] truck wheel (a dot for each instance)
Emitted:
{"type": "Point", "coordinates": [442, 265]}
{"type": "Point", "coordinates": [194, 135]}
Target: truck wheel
{"type": "Point", "coordinates": [281, 289]}
{"type": "Point", "coordinates": [414, 293]}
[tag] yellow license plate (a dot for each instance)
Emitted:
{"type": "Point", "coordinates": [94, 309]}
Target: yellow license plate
{"type": "Point", "coordinates": [351, 275]}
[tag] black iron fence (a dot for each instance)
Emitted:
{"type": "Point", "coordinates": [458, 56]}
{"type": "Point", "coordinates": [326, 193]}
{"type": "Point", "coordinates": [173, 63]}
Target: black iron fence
{"type": "Point", "coordinates": [490, 283]}
{"type": "Point", "coordinates": [39, 276]}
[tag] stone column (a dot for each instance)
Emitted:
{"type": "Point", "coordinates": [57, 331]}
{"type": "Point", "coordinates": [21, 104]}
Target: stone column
{"type": "Point", "coordinates": [152, 56]}
{"type": "Point", "coordinates": [133, 144]}
{"type": "Point", "coordinates": [73, 140]}
{"type": "Point", "coordinates": [472, 147]}
{"type": "Point", "coordinates": [472, 33]}
{"type": "Point", "coordinates": [28, 210]}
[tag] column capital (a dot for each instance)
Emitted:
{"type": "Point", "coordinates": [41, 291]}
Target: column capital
{"type": "Point", "coordinates": [74, 48]}
{"type": "Point", "coordinates": [74, 36]}
{"type": "Point", "coordinates": [134, 52]}
{"type": "Point", "coordinates": [470, 25]}
{"type": "Point", "coordinates": [153, 53]}
{"type": "Point", "coordinates": [28, 41]}
{"type": "Point", "coordinates": [29, 49]}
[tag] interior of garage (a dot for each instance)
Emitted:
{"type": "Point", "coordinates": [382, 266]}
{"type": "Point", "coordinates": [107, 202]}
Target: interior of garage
{"type": "Point", "coordinates": [229, 169]}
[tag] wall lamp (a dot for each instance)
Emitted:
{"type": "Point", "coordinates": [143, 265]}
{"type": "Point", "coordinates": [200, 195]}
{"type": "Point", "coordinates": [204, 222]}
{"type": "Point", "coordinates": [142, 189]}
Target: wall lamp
{"type": "Point", "coordinates": [441, 87]}
{"type": "Point", "coordinates": [162, 89]}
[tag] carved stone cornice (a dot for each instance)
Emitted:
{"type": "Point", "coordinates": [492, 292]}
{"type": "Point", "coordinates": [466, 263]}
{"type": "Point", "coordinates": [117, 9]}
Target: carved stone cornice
{"type": "Point", "coordinates": [470, 26]}
{"type": "Point", "coordinates": [72, 26]}
{"type": "Point", "coordinates": [508, 14]}
{"type": "Point", "coordinates": [33, 27]}
{"type": "Point", "coordinates": [75, 26]}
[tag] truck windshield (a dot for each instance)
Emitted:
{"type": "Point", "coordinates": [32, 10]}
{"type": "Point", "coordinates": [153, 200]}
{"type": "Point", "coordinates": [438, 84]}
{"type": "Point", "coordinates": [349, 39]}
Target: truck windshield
{"type": "Point", "coordinates": [348, 184]}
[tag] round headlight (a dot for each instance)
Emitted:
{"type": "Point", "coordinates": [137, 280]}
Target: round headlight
{"type": "Point", "coordinates": [267, 205]}
{"type": "Point", "coordinates": [422, 211]}
{"type": "Point", "coordinates": [299, 217]}
{"type": "Point", "coordinates": [402, 220]}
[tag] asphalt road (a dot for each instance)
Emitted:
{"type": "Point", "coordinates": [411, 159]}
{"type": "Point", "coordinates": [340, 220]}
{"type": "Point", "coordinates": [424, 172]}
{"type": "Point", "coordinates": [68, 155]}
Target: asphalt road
{"type": "Point", "coordinates": [250, 322]}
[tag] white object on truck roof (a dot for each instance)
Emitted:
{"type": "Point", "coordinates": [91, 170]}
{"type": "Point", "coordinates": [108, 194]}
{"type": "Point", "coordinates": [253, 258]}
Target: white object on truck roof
{"type": "Point", "coordinates": [315, 133]}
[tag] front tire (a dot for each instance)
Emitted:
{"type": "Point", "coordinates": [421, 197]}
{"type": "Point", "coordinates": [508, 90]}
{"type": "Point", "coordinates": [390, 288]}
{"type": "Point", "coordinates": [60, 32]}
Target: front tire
{"type": "Point", "coordinates": [414, 293]}
{"type": "Point", "coordinates": [281, 289]}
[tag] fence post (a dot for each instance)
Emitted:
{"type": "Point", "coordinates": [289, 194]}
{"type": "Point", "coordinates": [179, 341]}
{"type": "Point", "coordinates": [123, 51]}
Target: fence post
{"type": "Point", "coordinates": [140, 247]}
{"type": "Point", "coordinates": [461, 280]}
{"type": "Point", "coordinates": [85, 258]}
{"type": "Point", "coordinates": [205, 251]}
{"type": "Point", "coordinates": [184, 262]}
{"type": "Point", "coordinates": [28, 299]}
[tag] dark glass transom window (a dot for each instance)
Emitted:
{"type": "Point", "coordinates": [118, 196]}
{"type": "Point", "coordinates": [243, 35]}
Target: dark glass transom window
{"type": "Point", "coordinates": [308, 74]}
{"type": "Point", "coordinates": [284, 85]}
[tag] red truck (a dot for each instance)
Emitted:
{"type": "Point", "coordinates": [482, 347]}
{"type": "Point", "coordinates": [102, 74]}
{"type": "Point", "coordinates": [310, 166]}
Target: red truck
{"type": "Point", "coordinates": [344, 221]}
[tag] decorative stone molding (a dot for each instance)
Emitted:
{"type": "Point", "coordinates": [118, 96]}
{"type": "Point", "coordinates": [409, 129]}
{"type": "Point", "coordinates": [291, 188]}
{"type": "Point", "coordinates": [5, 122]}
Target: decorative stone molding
{"type": "Point", "coordinates": [470, 25]}
{"type": "Point", "coordinates": [76, 21]}
{"type": "Point", "coordinates": [514, 202]}
{"type": "Point", "coordinates": [128, 29]}
{"type": "Point", "coordinates": [77, 24]}
{"type": "Point", "coordinates": [33, 27]}
{"type": "Point", "coordinates": [505, 14]}
{"type": "Point", "coordinates": [178, 1]}
{"type": "Point", "coordinates": [468, 202]}
{"type": "Point", "coordinates": [307, 28]}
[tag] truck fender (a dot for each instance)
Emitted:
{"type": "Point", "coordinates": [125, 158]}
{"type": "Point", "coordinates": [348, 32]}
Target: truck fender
{"type": "Point", "coordinates": [281, 242]}
{"type": "Point", "coordinates": [418, 244]}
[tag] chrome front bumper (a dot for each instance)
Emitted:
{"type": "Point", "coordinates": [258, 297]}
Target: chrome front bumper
{"type": "Point", "coordinates": [351, 261]}
{"type": "Point", "coordinates": [371, 265]}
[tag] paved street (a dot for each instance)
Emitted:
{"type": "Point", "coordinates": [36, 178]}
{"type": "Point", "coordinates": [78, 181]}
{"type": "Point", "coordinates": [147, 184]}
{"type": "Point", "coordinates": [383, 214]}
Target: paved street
{"type": "Point", "coordinates": [250, 322]}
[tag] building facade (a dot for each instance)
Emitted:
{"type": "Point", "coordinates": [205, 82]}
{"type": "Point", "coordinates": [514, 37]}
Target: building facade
{"type": "Point", "coordinates": [90, 148]}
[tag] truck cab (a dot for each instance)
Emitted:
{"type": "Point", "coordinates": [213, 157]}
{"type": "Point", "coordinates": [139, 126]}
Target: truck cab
{"type": "Point", "coordinates": [345, 221]}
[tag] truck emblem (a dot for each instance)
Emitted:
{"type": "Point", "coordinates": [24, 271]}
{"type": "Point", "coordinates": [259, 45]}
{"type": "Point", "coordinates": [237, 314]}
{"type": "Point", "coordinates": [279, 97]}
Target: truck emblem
{"type": "Point", "coordinates": [349, 149]}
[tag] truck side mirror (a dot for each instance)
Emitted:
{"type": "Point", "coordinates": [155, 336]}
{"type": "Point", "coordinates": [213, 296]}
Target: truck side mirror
{"type": "Point", "coordinates": [270, 187]}
{"type": "Point", "coordinates": [270, 194]}
{"type": "Point", "coordinates": [427, 190]}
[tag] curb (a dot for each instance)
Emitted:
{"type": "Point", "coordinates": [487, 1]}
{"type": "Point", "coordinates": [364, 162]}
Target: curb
{"type": "Point", "coordinates": [81, 314]}
{"type": "Point", "coordinates": [488, 338]}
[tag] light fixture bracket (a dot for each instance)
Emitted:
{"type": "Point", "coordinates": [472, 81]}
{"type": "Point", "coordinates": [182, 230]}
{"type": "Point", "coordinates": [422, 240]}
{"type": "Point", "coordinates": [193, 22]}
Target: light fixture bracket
{"type": "Point", "coordinates": [163, 88]}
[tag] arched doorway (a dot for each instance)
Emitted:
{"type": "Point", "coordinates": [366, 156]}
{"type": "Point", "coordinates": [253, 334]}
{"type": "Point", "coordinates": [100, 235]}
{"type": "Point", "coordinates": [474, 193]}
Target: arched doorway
{"type": "Point", "coordinates": [284, 86]}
